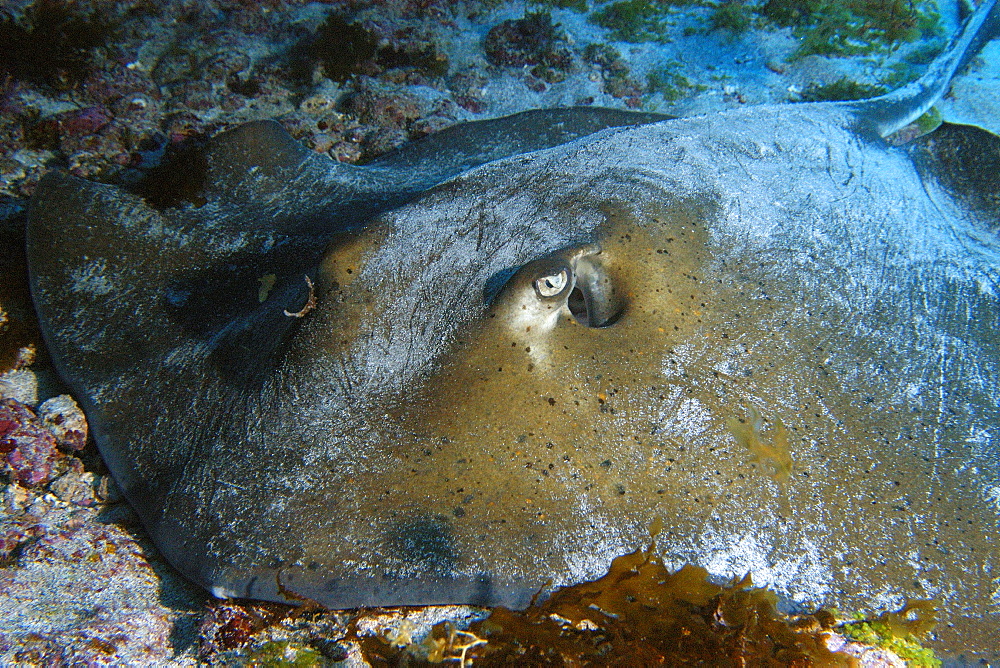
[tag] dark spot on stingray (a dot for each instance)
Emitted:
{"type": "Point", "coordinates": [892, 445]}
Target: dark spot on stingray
{"type": "Point", "coordinates": [427, 545]}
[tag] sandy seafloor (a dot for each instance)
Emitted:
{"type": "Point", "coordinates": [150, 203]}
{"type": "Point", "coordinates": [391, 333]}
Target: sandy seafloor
{"type": "Point", "coordinates": [79, 583]}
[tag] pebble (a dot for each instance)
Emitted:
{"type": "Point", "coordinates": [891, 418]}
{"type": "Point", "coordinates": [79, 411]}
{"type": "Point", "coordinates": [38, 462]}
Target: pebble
{"type": "Point", "coordinates": [79, 488]}
{"type": "Point", "coordinates": [15, 499]}
{"type": "Point", "coordinates": [64, 418]}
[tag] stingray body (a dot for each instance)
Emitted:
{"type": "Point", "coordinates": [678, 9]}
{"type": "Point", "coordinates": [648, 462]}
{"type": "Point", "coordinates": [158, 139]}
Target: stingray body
{"type": "Point", "coordinates": [765, 327]}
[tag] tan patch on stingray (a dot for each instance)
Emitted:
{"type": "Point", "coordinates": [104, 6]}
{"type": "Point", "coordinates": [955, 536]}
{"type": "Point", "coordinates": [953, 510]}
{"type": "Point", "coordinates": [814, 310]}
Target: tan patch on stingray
{"type": "Point", "coordinates": [770, 451]}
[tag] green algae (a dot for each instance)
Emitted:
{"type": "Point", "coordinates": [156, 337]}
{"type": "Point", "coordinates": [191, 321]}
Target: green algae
{"type": "Point", "coordinates": [575, 5]}
{"type": "Point", "coordinates": [929, 121]}
{"type": "Point", "coordinates": [285, 654]}
{"type": "Point", "coordinates": [925, 53]}
{"type": "Point", "coordinates": [733, 16]}
{"type": "Point", "coordinates": [670, 83]}
{"type": "Point", "coordinates": [852, 27]}
{"type": "Point", "coordinates": [823, 27]}
{"type": "Point", "coordinates": [899, 632]}
{"type": "Point", "coordinates": [841, 89]}
{"type": "Point", "coordinates": [898, 75]}
{"type": "Point", "coordinates": [635, 20]}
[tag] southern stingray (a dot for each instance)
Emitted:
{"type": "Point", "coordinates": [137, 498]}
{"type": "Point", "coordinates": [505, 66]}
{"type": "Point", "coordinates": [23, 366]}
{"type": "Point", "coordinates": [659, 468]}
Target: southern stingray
{"type": "Point", "coordinates": [488, 363]}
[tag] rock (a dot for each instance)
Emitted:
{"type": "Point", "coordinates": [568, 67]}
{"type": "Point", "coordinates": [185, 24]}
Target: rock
{"type": "Point", "coordinates": [532, 40]}
{"type": "Point", "coordinates": [386, 106]}
{"type": "Point", "coordinates": [30, 453]}
{"type": "Point", "coordinates": [13, 535]}
{"type": "Point", "coordinates": [88, 593]}
{"type": "Point", "coordinates": [20, 385]}
{"type": "Point", "coordinates": [867, 656]}
{"type": "Point", "coordinates": [108, 491]}
{"type": "Point", "coordinates": [64, 418]}
{"type": "Point", "coordinates": [15, 499]}
{"type": "Point", "coordinates": [76, 487]}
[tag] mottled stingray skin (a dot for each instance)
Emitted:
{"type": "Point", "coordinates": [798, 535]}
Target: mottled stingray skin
{"type": "Point", "coordinates": [445, 427]}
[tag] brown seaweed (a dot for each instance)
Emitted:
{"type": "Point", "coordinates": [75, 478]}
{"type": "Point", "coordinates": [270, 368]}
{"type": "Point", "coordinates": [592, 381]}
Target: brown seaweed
{"type": "Point", "coordinates": [639, 613]}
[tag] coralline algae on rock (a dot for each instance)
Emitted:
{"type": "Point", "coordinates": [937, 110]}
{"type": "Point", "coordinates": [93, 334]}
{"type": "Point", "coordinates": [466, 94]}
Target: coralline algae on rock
{"type": "Point", "coordinates": [87, 593]}
{"type": "Point", "coordinates": [76, 590]}
{"type": "Point", "coordinates": [31, 455]}
{"type": "Point", "coordinates": [64, 419]}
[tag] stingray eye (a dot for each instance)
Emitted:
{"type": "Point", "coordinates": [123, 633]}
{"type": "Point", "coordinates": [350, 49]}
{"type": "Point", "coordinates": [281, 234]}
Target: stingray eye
{"type": "Point", "coordinates": [552, 284]}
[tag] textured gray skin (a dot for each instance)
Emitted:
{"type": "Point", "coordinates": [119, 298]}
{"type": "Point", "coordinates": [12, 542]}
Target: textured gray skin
{"type": "Point", "coordinates": [409, 441]}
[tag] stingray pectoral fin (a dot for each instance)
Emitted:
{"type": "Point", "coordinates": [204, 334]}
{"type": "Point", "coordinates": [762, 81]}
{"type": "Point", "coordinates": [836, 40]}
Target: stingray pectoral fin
{"type": "Point", "coordinates": [258, 164]}
{"type": "Point", "coordinates": [96, 257]}
{"type": "Point", "coordinates": [151, 330]}
{"type": "Point", "coordinates": [964, 161]}
{"type": "Point", "coordinates": [101, 262]}
{"type": "Point", "coordinates": [119, 285]}
{"type": "Point", "coordinates": [263, 144]}
{"type": "Point", "coordinates": [257, 179]}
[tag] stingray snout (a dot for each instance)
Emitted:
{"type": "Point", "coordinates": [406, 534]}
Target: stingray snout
{"type": "Point", "coordinates": [572, 280]}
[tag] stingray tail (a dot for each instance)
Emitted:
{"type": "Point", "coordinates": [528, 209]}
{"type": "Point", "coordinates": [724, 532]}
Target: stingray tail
{"type": "Point", "coordinates": [888, 113]}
